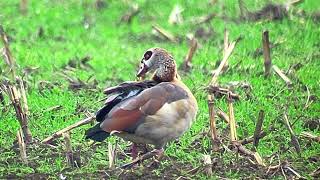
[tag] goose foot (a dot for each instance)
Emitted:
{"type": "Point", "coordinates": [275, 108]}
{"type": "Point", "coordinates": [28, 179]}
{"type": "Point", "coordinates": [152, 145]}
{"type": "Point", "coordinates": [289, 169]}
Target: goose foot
{"type": "Point", "coordinates": [156, 152]}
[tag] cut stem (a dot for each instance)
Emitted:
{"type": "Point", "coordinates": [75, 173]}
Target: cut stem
{"type": "Point", "coordinates": [186, 66]}
{"type": "Point", "coordinates": [266, 53]}
{"type": "Point", "coordinates": [223, 115]}
{"type": "Point", "coordinates": [257, 131]}
{"type": "Point", "coordinates": [112, 153]}
{"type": "Point", "coordinates": [22, 146]}
{"type": "Point", "coordinates": [233, 129]}
{"type": "Point", "coordinates": [226, 56]}
{"type": "Point", "coordinates": [68, 146]}
{"type": "Point", "coordinates": [213, 127]}
{"type": "Point", "coordinates": [294, 139]}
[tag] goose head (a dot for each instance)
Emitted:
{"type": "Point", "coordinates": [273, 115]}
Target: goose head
{"type": "Point", "coordinates": [160, 62]}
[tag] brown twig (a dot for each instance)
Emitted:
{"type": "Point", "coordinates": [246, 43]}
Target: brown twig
{"type": "Point", "coordinates": [246, 152]}
{"type": "Point", "coordinates": [165, 33]}
{"type": "Point", "coordinates": [266, 53]}
{"type": "Point", "coordinates": [294, 139]}
{"type": "Point", "coordinates": [223, 62]}
{"type": "Point", "coordinates": [186, 65]}
{"type": "Point", "coordinates": [213, 128]}
{"type": "Point", "coordinates": [68, 145]}
{"type": "Point", "coordinates": [22, 146]}
{"type": "Point", "coordinates": [232, 122]}
{"type": "Point", "coordinates": [282, 75]}
{"type": "Point", "coordinates": [222, 115]}
{"type": "Point", "coordinates": [258, 129]}
{"type": "Point", "coordinates": [251, 138]}
{"type": "Point", "coordinates": [69, 128]}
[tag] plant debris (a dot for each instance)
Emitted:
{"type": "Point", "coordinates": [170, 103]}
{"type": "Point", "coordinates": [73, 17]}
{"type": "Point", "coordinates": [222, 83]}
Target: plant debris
{"type": "Point", "coordinates": [175, 15]}
{"type": "Point", "coordinates": [166, 34]}
{"type": "Point", "coordinates": [187, 65]}
{"type": "Point", "coordinates": [128, 16]}
{"type": "Point", "coordinates": [220, 92]}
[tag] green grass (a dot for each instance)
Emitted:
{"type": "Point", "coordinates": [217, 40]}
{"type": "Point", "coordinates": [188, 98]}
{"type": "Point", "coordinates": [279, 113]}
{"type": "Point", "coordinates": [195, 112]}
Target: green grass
{"type": "Point", "coordinates": [116, 49]}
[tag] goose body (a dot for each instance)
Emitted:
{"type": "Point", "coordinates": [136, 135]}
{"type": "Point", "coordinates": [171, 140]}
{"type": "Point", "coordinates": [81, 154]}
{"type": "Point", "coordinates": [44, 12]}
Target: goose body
{"type": "Point", "coordinates": [149, 112]}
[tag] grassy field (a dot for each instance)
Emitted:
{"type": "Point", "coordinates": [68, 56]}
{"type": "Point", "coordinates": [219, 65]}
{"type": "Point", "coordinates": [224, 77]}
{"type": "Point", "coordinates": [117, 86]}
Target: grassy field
{"type": "Point", "coordinates": [53, 33]}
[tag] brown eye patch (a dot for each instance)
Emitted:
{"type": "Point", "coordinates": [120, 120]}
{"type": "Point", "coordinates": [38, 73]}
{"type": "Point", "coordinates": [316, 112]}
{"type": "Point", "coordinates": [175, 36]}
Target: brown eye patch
{"type": "Point", "coordinates": [147, 55]}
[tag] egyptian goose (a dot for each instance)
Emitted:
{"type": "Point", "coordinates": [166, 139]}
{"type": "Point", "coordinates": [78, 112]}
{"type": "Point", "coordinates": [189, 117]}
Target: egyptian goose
{"type": "Point", "coordinates": [149, 112]}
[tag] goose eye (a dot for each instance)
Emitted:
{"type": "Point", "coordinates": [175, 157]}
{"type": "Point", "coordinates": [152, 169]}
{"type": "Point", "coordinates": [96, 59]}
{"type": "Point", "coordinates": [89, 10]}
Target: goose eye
{"type": "Point", "coordinates": [147, 55]}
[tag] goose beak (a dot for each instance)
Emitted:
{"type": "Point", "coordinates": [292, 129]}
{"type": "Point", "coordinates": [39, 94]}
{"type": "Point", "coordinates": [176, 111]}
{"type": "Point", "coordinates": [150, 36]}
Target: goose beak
{"type": "Point", "coordinates": [143, 70]}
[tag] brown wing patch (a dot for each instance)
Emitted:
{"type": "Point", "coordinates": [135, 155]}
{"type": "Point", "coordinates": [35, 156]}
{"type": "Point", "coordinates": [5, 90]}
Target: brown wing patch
{"type": "Point", "coordinates": [121, 119]}
{"type": "Point", "coordinates": [152, 106]}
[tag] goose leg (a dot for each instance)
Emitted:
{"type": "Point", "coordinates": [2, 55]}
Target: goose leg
{"type": "Point", "coordinates": [159, 154]}
{"type": "Point", "coordinates": [156, 152]}
{"type": "Point", "coordinates": [134, 151]}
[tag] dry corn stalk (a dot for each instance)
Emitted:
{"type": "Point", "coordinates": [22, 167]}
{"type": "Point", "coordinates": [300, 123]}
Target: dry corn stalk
{"type": "Point", "coordinates": [22, 147]}
{"type": "Point", "coordinates": [6, 53]}
{"type": "Point", "coordinates": [266, 53]}
{"type": "Point", "coordinates": [294, 139]}
{"type": "Point", "coordinates": [68, 145]}
{"type": "Point", "coordinates": [16, 95]}
{"type": "Point", "coordinates": [213, 128]}
{"type": "Point", "coordinates": [232, 122]}
{"type": "Point", "coordinates": [223, 62]}
{"type": "Point", "coordinates": [186, 66]}
{"type": "Point", "coordinates": [225, 46]}
{"type": "Point", "coordinates": [257, 131]}
{"type": "Point", "coordinates": [222, 115]}
{"type": "Point", "coordinates": [112, 153]}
